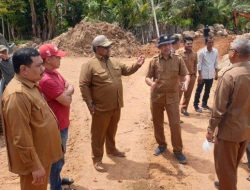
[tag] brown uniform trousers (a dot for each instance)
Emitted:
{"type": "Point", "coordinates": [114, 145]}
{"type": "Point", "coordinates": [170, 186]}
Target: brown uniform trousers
{"type": "Point", "coordinates": [101, 86]}
{"type": "Point", "coordinates": [227, 156]}
{"type": "Point", "coordinates": [231, 115]}
{"type": "Point", "coordinates": [103, 129]}
{"type": "Point", "coordinates": [26, 181]}
{"type": "Point", "coordinates": [190, 60]}
{"type": "Point", "coordinates": [187, 94]}
{"type": "Point", "coordinates": [165, 96]}
{"type": "Point", "coordinates": [157, 111]}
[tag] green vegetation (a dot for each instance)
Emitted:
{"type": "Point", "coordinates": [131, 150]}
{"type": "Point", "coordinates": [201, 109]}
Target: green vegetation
{"type": "Point", "coordinates": [23, 19]}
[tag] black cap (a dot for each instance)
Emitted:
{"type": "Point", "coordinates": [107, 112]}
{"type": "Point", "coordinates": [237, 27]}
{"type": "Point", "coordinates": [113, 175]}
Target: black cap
{"type": "Point", "coordinates": [165, 40]}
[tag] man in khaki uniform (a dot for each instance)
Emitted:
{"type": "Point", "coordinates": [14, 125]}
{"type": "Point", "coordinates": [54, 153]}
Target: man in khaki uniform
{"type": "Point", "coordinates": [231, 115]}
{"type": "Point", "coordinates": [165, 71]}
{"type": "Point", "coordinates": [190, 59]}
{"type": "Point", "coordinates": [101, 88]}
{"type": "Point", "coordinates": [30, 127]}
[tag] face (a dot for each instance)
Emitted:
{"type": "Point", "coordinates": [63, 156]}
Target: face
{"type": "Point", "coordinates": [33, 72]}
{"type": "Point", "coordinates": [188, 45]}
{"type": "Point", "coordinates": [210, 43]}
{"type": "Point", "coordinates": [232, 55]}
{"type": "Point", "coordinates": [53, 62]}
{"type": "Point", "coordinates": [165, 49]}
{"type": "Point", "coordinates": [104, 51]}
{"type": "Point", "coordinates": [3, 54]}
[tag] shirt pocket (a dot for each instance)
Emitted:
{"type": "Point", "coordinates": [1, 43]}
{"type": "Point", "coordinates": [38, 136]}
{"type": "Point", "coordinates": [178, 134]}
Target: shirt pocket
{"type": "Point", "coordinates": [100, 75]}
{"type": "Point", "coordinates": [38, 112]}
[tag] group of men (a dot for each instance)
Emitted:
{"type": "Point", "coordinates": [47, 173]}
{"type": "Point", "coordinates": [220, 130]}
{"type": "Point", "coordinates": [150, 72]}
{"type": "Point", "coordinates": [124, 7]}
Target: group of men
{"type": "Point", "coordinates": [39, 98]}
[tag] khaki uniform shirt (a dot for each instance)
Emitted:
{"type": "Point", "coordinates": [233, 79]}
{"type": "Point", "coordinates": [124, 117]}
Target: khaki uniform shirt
{"type": "Point", "coordinates": [190, 60]}
{"type": "Point", "coordinates": [166, 73]}
{"type": "Point", "coordinates": [231, 107]}
{"type": "Point", "coordinates": [100, 82]}
{"type": "Point", "coordinates": [31, 129]}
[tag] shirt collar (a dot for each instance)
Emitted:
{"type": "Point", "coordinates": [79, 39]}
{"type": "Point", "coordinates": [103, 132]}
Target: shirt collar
{"type": "Point", "coordinates": [170, 56]}
{"type": "Point", "coordinates": [207, 49]}
{"type": "Point", "coordinates": [26, 82]}
{"type": "Point", "coordinates": [241, 64]}
{"type": "Point", "coordinates": [50, 71]}
{"type": "Point", "coordinates": [101, 58]}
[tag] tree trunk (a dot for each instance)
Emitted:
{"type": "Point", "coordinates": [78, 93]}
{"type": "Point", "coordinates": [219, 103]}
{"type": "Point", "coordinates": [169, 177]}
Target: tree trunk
{"type": "Point", "coordinates": [8, 27]}
{"type": "Point", "coordinates": [2, 26]}
{"type": "Point", "coordinates": [12, 29]}
{"type": "Point", "coordinates": [34, 17]}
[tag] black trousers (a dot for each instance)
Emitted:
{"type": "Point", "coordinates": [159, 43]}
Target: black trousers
{"type": "Point", "coordinates": [208, 84]}
{"type": "Point", "coordinates": [248, 155]}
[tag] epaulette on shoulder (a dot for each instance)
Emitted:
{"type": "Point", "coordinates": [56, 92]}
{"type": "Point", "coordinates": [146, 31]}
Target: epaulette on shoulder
{"type": "Point", "coordinates": [224, 70]}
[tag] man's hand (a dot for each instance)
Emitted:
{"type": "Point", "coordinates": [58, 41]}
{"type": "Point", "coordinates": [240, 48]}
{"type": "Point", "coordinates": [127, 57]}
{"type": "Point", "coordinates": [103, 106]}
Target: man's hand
{"type": "Point", "coordinates": [4, 56]}
{"type": "Point", "coordinates": [153, 85]}
{"type": "Point", "coordinates": [91, 108]}
{"type": "Point", "coordinates": [184, 86]}
{"type": "Point", "coordinates": [39, 177]}
{"type": "Point", "coordinates": [140, 60]}
{"type": "Point", "coordinates": [210, 136]}
{"type": "Point", "coordinates": [216, 76]}
{"type": "Point", "coordinates": [69, 90]}
{"type": "Point", "coordinates": [200, 79]}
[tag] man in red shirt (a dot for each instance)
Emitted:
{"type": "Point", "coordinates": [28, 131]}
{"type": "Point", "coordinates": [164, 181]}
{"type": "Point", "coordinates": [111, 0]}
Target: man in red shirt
{"type": "Point", "coordinates": [58, 93]}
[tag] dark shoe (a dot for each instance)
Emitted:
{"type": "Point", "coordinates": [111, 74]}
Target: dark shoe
{"type": "Point", "coordinates": [67, 181]}
{"type": "Point", "coordinates": [197, 109]}
{"type": "Point", "coordinates": [184, 112]}
{"type": "Point", "coordinates": [181, 121]}
{"type": "Point", "coordinates": [205, 107]}
{"type": "Point", "coordinates": [99, 167]}
{"type": "Point", "coordinates": [180, 157]}
{"type": "Point", "coordinates": [248, 178]}
{"type": "Point", "coordinates": [117, 154]}
{"type": "Point", "coordinates": [216, 184]}
{"type": "Point", "coordinates": [159, 150]}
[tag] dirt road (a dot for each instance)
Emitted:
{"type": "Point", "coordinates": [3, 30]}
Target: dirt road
{"type": "Point", "coordinates": [140, 170]}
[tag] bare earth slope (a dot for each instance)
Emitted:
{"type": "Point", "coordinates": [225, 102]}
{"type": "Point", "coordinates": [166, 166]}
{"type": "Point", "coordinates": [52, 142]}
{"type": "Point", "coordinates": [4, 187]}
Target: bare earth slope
{"type": "Point", "coordinates": [140, 170]}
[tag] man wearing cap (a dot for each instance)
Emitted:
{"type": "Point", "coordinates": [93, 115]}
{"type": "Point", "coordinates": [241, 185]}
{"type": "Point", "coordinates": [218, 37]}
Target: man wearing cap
{"type": "Point", "coordinates": [230, 114]}
{"type": "Point", "coordinates": [6, 67]}
{"type": "Point", "coordinates": [190, 59]}
{"type": "Point", "coordinates": [7, 71]}
{"type": "Point", "coordinates": [176, 43]}
{"type": "Point", "coordinates": [101, 88]}
{"type": "Point", "coordinates": [164, 72]}
{"type": "Point", "coordinates": [31, 131]}
{"type": "Point", "coordinates": [58, 93]}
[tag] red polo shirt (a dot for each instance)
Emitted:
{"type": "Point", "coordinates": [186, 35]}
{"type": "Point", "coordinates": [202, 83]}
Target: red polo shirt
{"type": "Point", "coordinates": [52, 85]}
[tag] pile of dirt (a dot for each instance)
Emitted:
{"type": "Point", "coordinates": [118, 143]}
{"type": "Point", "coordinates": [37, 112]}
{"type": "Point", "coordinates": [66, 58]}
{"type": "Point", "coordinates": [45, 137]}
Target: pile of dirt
{"type": "Point", "coordinates": [221, 43]}
{"type": "Point", "coordinates": [77, 40]}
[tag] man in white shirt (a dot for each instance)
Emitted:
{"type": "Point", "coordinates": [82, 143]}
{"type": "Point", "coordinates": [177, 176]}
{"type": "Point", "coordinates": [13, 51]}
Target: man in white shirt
{"type": "Point", "coordinates": [208, 70]}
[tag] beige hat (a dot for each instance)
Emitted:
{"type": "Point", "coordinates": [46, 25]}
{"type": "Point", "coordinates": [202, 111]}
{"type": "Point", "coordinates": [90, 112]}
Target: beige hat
{"type": "Point", "coordinates": [102, 41]}
{"type": "Point", "coordinates": [3, 47]}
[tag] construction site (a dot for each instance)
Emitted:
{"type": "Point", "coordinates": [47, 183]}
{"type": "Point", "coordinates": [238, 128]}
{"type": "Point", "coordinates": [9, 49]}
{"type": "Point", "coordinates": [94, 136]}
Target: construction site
{"type": "Point", "coordinates": [140, 169]}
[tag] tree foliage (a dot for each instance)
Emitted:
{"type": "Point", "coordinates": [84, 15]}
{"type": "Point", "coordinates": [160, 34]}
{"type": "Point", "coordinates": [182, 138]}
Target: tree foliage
{"type": "Point", "coordinates": [48, 18]}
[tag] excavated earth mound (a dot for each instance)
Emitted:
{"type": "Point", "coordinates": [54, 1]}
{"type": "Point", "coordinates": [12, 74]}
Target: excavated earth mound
{"type": "Point", "coordinates": [77, 40]}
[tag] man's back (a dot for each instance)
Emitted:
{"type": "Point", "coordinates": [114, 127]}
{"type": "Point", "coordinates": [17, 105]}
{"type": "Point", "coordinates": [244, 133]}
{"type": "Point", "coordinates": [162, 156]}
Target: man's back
{"type": "Point", "coordinates": [233, 92]}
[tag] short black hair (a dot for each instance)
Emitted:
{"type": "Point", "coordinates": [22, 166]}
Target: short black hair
{"type": "Point", "coordinates": [188, 38]}
{"type": "Point", "coordinates": [23, 57]}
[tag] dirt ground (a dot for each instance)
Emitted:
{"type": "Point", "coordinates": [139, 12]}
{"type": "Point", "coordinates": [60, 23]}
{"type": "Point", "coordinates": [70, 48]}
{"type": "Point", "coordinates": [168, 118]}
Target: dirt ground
{"type": "Point", "coordinates": [140, 170]}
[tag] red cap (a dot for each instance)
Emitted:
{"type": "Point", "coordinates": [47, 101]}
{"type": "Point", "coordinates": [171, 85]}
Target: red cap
{"type": "Point", "coordinates": [47, 50]}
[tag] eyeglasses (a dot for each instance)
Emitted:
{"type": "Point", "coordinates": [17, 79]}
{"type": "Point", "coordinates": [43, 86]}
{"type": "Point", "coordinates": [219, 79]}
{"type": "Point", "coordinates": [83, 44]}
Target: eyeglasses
{"type": "Point", "coordinates": [231, 49]}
